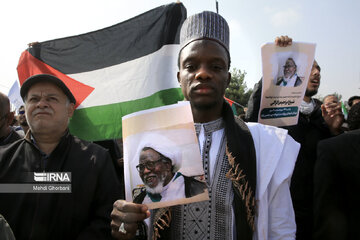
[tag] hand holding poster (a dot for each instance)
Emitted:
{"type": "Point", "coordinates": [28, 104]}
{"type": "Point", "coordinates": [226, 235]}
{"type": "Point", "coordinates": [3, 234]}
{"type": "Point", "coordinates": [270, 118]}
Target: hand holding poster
{"type": "Point", "coordinates": [286, 71]}
{"type": "Point", "coordinates": [162, 162]}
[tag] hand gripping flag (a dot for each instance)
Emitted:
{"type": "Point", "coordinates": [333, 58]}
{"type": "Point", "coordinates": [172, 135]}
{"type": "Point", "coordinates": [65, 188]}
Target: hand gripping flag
{"type": "Point", "coordinates": [125, 68]}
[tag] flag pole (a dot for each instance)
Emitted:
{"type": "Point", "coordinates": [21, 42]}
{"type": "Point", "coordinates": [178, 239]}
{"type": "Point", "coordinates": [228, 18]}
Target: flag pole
{"type": "Point", "coordinates": [239, 105]}
{"type": "Point", "coordinates": [217, 6]}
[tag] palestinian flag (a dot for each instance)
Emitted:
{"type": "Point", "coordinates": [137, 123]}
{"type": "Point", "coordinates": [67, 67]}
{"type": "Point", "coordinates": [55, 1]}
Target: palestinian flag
{"type": "Point", "coordinates": [112, 72]}
{"type": "Point", "coordinates": [232, 105]}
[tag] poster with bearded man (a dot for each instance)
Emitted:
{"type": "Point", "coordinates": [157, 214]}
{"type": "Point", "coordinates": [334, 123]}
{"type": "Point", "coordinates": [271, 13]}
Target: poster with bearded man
{"type": "Point", "coordinates": [286, 71]}
{"type": "Point", "coordinates": [162, 162]}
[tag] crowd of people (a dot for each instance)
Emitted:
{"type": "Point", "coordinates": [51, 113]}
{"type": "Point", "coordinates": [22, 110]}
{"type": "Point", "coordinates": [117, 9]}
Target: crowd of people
{"type": "Point", "coordinates": [264, 182]}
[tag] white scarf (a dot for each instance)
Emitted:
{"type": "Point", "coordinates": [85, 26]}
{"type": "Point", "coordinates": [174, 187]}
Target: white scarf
{"type": "Point", "coordinates": [307, 108]}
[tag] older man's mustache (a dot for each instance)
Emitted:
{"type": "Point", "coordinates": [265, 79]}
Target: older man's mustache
{"type": "Point", "coordinates": [42, 111]}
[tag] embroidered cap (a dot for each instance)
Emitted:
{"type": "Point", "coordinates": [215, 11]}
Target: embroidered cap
{"type": "Point", "coordinates": [205, 25]}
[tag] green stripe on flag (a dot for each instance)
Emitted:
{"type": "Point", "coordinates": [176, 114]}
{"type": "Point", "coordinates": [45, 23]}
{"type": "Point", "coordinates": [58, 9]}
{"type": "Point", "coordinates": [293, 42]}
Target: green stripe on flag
{"type": "Point", "coordinates": [344, 110]}
{"type": "Point", "coordinates": [234, 109]}
{"type": "Point", "coordinates": [105, 122]}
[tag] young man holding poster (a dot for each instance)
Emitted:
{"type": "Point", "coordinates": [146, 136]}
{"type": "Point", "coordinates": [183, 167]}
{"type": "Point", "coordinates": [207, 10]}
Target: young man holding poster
{"type": "Point", "coordinates": [247, 167]}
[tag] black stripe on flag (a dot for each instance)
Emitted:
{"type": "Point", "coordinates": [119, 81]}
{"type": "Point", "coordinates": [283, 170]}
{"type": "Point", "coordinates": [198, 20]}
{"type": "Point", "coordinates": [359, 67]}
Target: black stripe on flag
{"type": "Point", "coordinates": [134, 38]}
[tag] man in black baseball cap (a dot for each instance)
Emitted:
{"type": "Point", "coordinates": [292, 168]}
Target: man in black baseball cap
{"type": "Point", "coordinates": [81, 209]}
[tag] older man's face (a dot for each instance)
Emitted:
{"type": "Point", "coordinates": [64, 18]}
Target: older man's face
{"type": "Point", "coordinates": [153, 170]}
{"type": "Point", "coordinates": [47, 109]}
{"type": "Point", "coordinates": [289, 68]}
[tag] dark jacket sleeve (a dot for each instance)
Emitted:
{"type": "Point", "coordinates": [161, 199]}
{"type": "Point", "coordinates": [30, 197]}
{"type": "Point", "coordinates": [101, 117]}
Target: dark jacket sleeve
{"type": "Point", "coordinates": [254, 103]}
{"type": "Point", "coordinates": [329, 218]}
{"type": "Point", "coordinates": [5, 230]}
{"type": "Point", "coordinates": [107, 192]}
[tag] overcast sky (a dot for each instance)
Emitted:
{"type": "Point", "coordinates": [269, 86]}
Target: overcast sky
{"type": "Point", "coordinates": [331, 24]}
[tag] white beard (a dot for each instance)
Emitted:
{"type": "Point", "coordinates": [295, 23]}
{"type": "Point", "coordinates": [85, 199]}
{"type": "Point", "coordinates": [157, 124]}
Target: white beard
{"type": "Point", "coordinates": [159, 188]}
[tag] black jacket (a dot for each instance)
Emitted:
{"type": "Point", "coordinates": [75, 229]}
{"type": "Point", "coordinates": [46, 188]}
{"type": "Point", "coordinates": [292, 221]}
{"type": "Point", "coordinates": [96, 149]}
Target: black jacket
{"type": "Point", "coordinates": [308, 132]}
{"type": "Point", "coordinates": [12, 137]}
{"type": "Point", "coordinates": [336, 183]}
{"type": "Point", "coordinates": [82, 214]}
{"type": "Point", "coordinates": [5, 230]}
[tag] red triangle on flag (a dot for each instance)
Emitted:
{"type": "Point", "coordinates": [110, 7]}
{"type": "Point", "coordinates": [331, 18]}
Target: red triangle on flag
{"type": "Point", "coordinates": [229, 101]}
{"type": "Point", "coordinates": [29, 66]}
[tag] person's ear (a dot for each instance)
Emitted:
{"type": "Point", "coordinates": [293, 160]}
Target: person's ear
{"type": "Point", "coordinates": [228, 80]}
{"type": "Point", "coordinates": [71, 109]}
{"type": "Point", "coordinates": [178, 78]}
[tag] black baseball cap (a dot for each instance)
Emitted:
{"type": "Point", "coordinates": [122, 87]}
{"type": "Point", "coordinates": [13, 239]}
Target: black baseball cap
{"type": "Point", "coordinates": [45, 78]}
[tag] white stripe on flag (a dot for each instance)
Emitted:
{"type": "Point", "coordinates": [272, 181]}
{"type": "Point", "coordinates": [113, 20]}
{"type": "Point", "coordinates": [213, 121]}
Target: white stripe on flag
{"type": "Point", "coordinates": [132, 80]}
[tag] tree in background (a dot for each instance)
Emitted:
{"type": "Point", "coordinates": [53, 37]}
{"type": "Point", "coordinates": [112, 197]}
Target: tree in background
{"type": "Point", "coordinates": [237, 90]}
